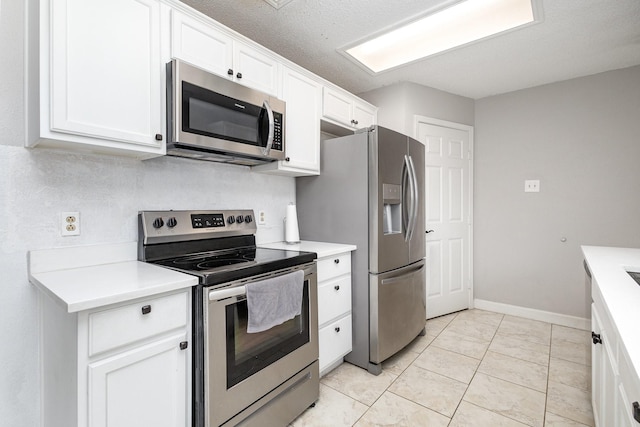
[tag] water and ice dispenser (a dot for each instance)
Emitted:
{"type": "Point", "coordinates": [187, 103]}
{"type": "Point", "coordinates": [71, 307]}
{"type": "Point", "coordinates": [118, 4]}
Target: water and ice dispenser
{"type": "Point", "coordinates": [392, 209]}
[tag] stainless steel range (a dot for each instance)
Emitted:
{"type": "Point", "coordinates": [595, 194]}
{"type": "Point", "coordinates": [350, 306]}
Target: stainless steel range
{"type": "Point", "coordinates": [265, 378]}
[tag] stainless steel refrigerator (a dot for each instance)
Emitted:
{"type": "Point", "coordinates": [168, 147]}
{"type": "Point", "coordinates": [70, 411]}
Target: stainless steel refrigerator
{"type": "Point", "coordinates": [370, 192]}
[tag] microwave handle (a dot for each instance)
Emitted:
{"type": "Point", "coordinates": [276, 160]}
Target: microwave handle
{"type": "Point", "coordinates": [267, 147]}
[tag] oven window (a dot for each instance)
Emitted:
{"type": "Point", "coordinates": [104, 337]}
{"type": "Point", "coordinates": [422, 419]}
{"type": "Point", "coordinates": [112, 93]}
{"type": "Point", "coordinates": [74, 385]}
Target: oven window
{"type": "Point", "coordinates": [219, 116]}
{"type": "Point", "coordinates": [249, 353]}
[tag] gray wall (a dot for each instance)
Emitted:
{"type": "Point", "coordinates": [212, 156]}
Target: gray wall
{"type": "Point", "coordinates": [35, 185]}
{"type": "Point", "coordinates": [581, 139]}
{"type": "Point", "coordinates": [398, 103]}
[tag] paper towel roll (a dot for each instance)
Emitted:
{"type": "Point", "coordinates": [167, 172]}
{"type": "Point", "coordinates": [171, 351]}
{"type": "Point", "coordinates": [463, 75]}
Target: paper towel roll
{"type": "Point", "coordinates": [291, 232]}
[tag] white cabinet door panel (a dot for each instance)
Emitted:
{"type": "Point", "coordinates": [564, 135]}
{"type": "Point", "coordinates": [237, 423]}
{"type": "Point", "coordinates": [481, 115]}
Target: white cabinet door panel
{"type": "Point", "coordinates": [199, 44]}
{"type": "Point", "coordinates": [145, 386]}
{"type": "Point", "coordinates": [258, 71]}
{"type": "Point", "coordinates": [363, 116]}
{"type": "Point", "coordinates": [337, 106]}
{"type": "Point", "coordinates": [105, 79]}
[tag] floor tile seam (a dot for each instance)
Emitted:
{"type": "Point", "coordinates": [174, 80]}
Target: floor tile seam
{"type": "Point", "coordinates": [546, 392]}
{"type": "Point", "coordinates": [423, 406]}
{"type": "Point", "coordinates": [444, 376]}
{"type": "Point", "coordinates": [568, 360]}
{"type": "Point", "coordinates": [517, 384]}
{"type": "Point", "coordinates": [490, 410]}
{"type": "Point", "coordinates": [461, 354]}
{"type": "Point", "coordinates": [471, 335]}
{"type": "Point", "coordinates": [350, 397]}
{"type": "Point", "coordinates": [515, 357]}
{"type": "Point", "coordinates": [563, 416]}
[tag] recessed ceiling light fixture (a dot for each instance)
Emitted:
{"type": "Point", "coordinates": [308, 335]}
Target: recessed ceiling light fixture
{"type": "Point", "coordinates": [456, 25]}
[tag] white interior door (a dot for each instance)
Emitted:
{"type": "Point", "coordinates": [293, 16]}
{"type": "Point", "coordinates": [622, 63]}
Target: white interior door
{"type": "Point", "coordinates": [448, 154]}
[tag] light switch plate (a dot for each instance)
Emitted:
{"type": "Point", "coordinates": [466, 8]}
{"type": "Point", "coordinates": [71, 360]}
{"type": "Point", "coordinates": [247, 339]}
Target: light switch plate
{"type": "Point", "coordinates": [532, 186]}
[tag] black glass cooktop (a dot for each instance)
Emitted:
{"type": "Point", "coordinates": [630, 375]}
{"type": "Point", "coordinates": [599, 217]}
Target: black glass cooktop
{"type": "Point", "coordinates": [223, 266]}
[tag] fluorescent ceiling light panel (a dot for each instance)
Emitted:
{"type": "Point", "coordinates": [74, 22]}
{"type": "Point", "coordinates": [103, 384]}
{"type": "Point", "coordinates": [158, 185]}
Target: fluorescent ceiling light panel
{"type": "Point", "coordinates": [457, 25]}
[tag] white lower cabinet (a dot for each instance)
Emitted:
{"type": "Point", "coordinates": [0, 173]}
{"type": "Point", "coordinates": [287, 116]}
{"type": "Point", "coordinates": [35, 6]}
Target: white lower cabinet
{"type": "Point", "coordinates": [615, 386]}
{"type": "Point", "coordinates": [118, 366]}
{"type": "Point", "coordinates": [334, 310]}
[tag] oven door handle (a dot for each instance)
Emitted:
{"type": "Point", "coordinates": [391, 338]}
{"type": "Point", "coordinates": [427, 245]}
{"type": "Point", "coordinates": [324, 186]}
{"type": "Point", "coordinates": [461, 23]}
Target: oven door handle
{"type": "Point", "coordinates": [219, 294]}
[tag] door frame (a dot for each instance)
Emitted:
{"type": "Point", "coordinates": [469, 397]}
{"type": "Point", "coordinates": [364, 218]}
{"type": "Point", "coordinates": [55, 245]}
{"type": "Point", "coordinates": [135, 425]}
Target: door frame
{"type": "Point", "coordinates": [417, 119]}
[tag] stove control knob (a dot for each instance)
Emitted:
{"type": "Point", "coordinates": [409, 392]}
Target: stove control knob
{"type": "Point", "coordinates": [158, 222]}
{"type": "Point", "coordinates": [240, 219]}
{"type": "Point", "coordinates": [248, 219]}
{"type": "Point", "coordinates": [172, 222]}
{"type": "Point", "coordinates": [231, 220]}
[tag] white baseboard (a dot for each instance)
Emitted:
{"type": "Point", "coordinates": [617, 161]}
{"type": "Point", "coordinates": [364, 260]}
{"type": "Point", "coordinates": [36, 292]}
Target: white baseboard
{"type": "Point", "coordinates": [532, 313]}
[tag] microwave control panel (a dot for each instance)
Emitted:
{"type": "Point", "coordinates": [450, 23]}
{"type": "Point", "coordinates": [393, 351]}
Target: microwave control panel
{"type": "Point", "coordinates": [277, 132]}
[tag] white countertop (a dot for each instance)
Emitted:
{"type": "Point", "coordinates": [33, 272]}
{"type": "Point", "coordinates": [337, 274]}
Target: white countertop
{"type": "Point", "coordinates": [86, 277]}
{"type": "Point", "coordinates": [621, 293]}
{"type": "Point", "coordinates": [323, 249]}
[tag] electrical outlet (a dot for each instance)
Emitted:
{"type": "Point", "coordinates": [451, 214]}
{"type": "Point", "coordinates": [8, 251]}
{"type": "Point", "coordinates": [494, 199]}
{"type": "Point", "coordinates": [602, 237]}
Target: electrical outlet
{"type": "Point", "coordinates": [532, 186]}
{"type": "Point", "coordinates": [262, 218]}
{"type": "Point", "coordinates": [70, 223]}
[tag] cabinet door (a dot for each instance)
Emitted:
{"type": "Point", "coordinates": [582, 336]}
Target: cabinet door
{"type": "Point", "coordinates": [604, 370]}
{"type": "Point", "coordinates": [144, 386]}
{"type": "Point", "coordinates": [363, 115]}
{"type": "Point", "coordinates": [200, 44]}
{"type": "Point", "coordinates": [337, 106]}
{"type": "Point", "coordinates": [302, 128]}
{"type": "Point", "coordinates": [255, 69]}
{"type": "Point", "coordinates": [106, 70]}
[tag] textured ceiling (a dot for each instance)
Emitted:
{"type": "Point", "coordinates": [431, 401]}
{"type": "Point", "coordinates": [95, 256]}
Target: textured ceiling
{"type": "Point", "coordinates": [575, 38]}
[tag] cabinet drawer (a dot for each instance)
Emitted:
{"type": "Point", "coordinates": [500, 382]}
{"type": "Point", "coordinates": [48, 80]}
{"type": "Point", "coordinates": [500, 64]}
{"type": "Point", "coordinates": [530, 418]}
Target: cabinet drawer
{"type": "Point", "coordinates": [334, 298]}
{"type": "Point", "coordinates": [123, 325]}
{"type": "Point", "coordinates": [334, 266]}
{"type": "Point", "coordinates": [334, 341]}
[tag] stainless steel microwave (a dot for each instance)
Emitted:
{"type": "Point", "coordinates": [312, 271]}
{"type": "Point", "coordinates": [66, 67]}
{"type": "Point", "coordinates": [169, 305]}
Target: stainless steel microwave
{"type": "Point", "coordinates": [213, 118]}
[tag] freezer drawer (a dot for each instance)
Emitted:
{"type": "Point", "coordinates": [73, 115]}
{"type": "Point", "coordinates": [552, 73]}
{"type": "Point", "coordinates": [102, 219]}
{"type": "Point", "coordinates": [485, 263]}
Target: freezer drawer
{"type": "Point", "coordinates": [397, 310]}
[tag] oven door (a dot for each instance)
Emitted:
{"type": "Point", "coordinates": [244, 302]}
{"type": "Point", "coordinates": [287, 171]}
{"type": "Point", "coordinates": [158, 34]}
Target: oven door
{"type": "Point", "coordinates": [241, 368]}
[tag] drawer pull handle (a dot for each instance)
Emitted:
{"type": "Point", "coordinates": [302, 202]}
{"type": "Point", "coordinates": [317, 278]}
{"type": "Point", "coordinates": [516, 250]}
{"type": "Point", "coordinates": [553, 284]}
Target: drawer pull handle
{"type": "Point", "coordinates": [184, 345]}
{"type": "Point", "coordinates": [336, 287]}
{"type": "Point", "coordinates": [636, 411]}
{"type": "Point", "coordinates": [146, 309]}
{"type": "Point", "coordinates": [337, 261]}
{"type": "Point", "coordinates": [596, 338]}
{"type": "Point", "coordinates": [337, 329]}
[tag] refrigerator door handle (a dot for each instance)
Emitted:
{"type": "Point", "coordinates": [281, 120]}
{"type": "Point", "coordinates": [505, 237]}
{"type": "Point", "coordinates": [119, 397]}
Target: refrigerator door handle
{"type": "Point", "coordinates": [406, 204]}
{"type": "Point", "coordinates": [413, 182]}
{"type": "Point", "coordinates": [404, 274]}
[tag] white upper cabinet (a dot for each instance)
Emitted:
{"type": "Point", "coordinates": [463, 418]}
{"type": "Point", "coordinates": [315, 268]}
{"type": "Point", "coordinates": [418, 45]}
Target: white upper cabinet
{"type": "Point", "coordinates": [344, 109]}
{"type": "Point", "coordinates": [303, 97]}
{"type": "Point", "coordinates": [96, 76]}
{"type": "Point", "coordinates": [205, 45]}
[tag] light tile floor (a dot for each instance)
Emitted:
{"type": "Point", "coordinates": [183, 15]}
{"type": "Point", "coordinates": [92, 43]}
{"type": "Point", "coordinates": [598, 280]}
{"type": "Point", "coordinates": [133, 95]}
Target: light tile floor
{"type": "Point", "coordinates": [472, 368]}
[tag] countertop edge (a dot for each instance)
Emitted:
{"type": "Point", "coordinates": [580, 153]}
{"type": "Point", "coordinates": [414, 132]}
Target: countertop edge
{"type": "Point", "coordinates": [322, 249]}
